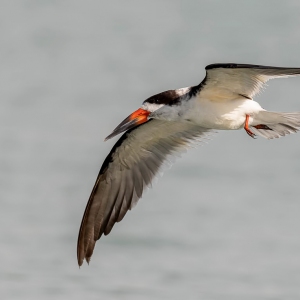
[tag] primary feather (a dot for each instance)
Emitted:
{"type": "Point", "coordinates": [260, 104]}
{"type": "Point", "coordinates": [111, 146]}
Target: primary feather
{"type": "Point", "coordinates": [129, 168]}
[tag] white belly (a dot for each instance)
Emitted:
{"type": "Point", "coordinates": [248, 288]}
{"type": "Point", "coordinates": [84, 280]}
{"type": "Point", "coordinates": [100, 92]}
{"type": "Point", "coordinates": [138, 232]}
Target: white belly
{"type": "Point", "coordinates": [230, 114]}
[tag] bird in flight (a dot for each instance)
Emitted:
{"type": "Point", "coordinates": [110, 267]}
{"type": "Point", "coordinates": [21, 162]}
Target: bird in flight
{"type": "Point", "coordinates": [165, 125]}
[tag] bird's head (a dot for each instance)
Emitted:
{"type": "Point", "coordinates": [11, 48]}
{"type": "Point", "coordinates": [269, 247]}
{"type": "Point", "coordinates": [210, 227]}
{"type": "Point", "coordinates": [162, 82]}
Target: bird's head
{"type": "Point", "coordinates": [149, 110]}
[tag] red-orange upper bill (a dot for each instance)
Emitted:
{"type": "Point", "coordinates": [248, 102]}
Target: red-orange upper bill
{"type": "Point", "coordinates": [136, 118]}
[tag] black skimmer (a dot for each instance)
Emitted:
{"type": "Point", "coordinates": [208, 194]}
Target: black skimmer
{"type": "Point", "coordinates": [167, 123]}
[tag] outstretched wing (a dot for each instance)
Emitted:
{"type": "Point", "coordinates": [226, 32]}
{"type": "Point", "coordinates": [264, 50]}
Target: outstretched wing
{"type": "Point", "coordinates": [128, 169]}
{"type": "Point", "coordinates": [232, 81]}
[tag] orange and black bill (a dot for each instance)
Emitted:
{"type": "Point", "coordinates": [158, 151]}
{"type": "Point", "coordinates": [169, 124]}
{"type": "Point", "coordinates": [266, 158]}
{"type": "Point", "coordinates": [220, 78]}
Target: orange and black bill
{"type": "Point", "coordinates": [136, 118]}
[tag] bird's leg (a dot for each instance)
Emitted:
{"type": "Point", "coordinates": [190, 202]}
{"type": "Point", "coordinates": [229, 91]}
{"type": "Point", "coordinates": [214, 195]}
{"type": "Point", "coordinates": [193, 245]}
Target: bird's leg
{"type": "Point", "coordinates": [246, 127]}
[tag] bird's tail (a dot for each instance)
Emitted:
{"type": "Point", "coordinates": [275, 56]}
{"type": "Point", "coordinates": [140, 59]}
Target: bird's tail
{"type": "Point", "coordinates": [274, 125]}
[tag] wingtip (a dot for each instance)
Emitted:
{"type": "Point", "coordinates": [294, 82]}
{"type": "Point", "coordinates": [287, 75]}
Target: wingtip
{"type": "Point", "coordinates": [79, 263]}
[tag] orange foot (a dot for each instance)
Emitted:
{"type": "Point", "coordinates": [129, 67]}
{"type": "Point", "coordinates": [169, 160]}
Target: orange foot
{"type": "Point", "coordinates": [246, 127]}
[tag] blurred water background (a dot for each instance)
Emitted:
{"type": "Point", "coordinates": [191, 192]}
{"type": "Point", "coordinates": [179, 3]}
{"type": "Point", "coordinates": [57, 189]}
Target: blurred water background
{"type": "Point", "coordinates": [223, 223]}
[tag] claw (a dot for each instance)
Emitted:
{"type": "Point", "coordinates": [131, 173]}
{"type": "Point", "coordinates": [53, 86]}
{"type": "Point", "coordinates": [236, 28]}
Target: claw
{"type": "Point", "coordinates": [246, 127]}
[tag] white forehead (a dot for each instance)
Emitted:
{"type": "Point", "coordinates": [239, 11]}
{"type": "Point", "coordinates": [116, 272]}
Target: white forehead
{"type": "Point", "coordinates": [151, 106]}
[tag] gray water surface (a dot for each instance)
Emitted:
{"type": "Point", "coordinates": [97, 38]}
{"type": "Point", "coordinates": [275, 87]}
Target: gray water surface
{"type": "Point", "coordinates": [223, 223]}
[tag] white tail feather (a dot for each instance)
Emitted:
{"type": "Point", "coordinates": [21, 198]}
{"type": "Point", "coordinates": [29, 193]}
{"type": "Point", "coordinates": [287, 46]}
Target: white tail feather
{"type": "Point", "coordinates": [280, 124]}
